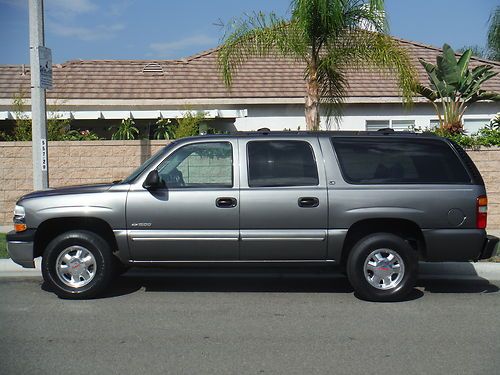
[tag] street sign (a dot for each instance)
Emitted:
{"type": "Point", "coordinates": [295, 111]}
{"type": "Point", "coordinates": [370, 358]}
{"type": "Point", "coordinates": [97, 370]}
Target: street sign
{"type": "Point", "coordinates": [45, 58]}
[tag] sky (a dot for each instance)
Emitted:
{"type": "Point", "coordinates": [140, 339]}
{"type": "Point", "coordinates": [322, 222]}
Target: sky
{"type": "Point", "coordinates": [169, 29]}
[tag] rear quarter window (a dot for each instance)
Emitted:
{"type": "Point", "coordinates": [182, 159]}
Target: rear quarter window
{"type": "Point", "coordinates": [398, 161]}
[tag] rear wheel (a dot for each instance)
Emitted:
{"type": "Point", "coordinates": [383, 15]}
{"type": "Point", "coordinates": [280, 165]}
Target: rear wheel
{"type": "Point", "coordinates": [382, 267]}
{"type": "Point", "coordinates": [77, 264]}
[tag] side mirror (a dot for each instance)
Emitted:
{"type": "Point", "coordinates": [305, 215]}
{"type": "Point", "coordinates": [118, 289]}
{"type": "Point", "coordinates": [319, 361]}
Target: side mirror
{"type": "Point", "coordinates": [153, 181]}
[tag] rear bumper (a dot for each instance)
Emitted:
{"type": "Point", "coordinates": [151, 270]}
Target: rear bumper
{"type": "Point", "coordinates": [21, 247]}
{"type": "Point", "coordinates": [489, 247]}
{"type": "Point", "coordinates": [458, 245]}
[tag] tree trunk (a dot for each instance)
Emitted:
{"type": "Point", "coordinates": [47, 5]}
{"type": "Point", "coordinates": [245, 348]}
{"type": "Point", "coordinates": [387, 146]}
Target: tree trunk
{"type": "Point", "coordinates": [312, 101]}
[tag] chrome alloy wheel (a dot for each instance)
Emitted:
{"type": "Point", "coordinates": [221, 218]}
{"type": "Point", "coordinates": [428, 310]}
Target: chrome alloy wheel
{"type": "Point", "coordinates": [384, 269]}
{"type": "Point", "coordinates": [76, 266]}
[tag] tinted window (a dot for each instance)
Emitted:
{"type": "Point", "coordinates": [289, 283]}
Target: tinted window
{"type": "Point", "coordinates": [398, 161]}
{"type": "Point", "coordinates": [281, 163]}
{"type": "Point", "coordinates": [199, 165]}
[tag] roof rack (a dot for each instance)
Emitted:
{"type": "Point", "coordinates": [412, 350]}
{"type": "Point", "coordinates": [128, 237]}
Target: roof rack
{"type": "Point", "coordinates": [386, 130]}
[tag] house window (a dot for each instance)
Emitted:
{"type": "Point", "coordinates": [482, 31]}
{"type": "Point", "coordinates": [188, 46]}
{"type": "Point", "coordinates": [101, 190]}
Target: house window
{"type": "Point", "coordinates": [434, 124]}
{"type": "Point", "coordinates": [374, 125]}
{"type": "Point", "coordinates": [403, 125]}
{"type": "Point", "coordinates": [472, 126]}
{"type": "Point", "coordinates": [397, 125]}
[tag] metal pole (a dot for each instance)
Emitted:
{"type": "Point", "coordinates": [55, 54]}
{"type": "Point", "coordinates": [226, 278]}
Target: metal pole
{"type": "Point", "coordinates": [38, 109]}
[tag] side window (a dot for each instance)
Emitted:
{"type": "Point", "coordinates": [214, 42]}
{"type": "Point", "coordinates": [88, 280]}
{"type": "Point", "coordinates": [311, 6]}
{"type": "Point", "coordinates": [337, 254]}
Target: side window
{"type": "Point", "coordinates": [199, 165]}
{"type": "Point", "coordinates": [397, 161]}
{"type": "Point", "coordinates": [281, 163]}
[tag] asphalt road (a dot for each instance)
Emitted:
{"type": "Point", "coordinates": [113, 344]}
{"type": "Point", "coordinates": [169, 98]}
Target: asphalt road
{"type": "Point", "coordinates": [272, 323]}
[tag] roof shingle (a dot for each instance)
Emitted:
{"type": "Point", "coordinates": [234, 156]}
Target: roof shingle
{"type": "Point", "coordinates": [197, 77]}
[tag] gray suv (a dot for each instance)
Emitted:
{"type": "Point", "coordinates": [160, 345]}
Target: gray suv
{"type": "Point", "coordinates": [374, 203]}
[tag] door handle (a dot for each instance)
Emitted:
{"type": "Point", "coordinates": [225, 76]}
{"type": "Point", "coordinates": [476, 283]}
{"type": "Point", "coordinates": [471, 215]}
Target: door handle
{"type": "Point", "coordinates": [226, 202]}
{"type": "Point", "coordinates": [308, 202]}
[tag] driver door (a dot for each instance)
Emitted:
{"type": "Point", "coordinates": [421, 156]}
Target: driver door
{"type": "Point", "coordinates": [195, 217]}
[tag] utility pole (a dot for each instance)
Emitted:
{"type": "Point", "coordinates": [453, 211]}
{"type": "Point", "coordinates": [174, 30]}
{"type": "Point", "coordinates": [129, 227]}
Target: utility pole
{"type": "Point", "coordinates": [41, 78]}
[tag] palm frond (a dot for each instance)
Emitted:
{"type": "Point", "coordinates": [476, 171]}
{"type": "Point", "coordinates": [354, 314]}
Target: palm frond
{"type": "Point", "coordinates": [364, 49]}
{"type": "Point", "coordinates": [494, 34]}
{"type": "Point", "coordinates": [258, 35]}
{"type": "Point", "coordinates": [333, 90]}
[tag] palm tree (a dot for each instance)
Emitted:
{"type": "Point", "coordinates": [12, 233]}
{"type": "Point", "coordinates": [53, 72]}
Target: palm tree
{"type": "Point", "coordinates": [328, 36]}
{"type": "Point", "coordinates": [494, 35]}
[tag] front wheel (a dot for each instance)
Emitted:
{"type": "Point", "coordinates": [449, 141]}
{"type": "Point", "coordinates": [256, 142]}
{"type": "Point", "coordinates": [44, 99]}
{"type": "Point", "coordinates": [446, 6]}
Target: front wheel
{"type": "Point", "coordinates": [382, 267]}
{"type": "Point", "coordinates": [77, 264]}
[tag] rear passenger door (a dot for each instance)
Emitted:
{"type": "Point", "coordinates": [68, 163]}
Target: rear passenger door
{"type": "Point", "coordinates": [284, 206]}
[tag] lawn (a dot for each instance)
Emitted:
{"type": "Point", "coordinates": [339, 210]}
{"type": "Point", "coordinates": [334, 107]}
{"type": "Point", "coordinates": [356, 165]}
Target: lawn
{"type": "Point", "coordinates": [3, 247]}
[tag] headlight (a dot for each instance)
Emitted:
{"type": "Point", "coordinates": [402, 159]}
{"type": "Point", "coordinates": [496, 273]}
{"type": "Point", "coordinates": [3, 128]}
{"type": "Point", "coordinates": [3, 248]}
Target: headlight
{"type": "Point", "coordinates": [19, 212]}
{"type": "Point", "coordinates": [19, 219]}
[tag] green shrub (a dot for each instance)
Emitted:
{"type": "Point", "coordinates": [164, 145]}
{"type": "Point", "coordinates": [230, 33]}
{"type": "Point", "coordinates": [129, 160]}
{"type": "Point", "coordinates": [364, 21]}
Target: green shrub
{"type": "Point", "coordinates": [189, 125]}
{"type": "Point", "coordinates": [81, 135]}
{"type": "Point", "coordinates": [464, 140]}
{"type": "Point", "coordinates": [489, 136]}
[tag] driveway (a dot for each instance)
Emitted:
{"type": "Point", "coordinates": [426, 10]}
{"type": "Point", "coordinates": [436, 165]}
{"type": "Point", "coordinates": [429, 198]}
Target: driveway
{"type": "Point", "coordinates": [207, 322]}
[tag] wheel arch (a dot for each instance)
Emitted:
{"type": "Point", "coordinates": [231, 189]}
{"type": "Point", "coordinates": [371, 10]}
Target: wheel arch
{"type": "Point", "coordinates": [404, 228]}
{"type": "Point", "coordinates": [51, 228]}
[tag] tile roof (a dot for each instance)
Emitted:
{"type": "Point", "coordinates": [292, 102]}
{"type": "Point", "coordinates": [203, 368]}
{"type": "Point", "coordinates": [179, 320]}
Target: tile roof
{"type": "Point", "coordinates": [197, 77]}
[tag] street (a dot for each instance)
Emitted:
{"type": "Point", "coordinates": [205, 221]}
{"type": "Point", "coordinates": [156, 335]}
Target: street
{"type": "Point", "coordinates": [191, 322]}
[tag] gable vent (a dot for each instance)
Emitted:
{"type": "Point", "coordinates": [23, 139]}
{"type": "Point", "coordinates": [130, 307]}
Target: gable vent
{"type": "Point", "coordinates": [152, 68]}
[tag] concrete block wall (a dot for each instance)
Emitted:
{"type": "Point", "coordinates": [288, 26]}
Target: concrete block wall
{"type": "Point", "coordinates": [70, 163]}
{"type": "Point", "coordinates": [487, 161]}
{"type": "Point", "coordinates": [73, 163]}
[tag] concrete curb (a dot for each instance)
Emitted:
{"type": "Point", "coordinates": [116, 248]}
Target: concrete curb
{"type": "Point", "coordinates": [429, 271]}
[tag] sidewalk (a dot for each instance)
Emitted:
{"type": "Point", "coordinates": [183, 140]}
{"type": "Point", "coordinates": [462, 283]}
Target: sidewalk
{"type": "Point", "coordinates": [427, 271]}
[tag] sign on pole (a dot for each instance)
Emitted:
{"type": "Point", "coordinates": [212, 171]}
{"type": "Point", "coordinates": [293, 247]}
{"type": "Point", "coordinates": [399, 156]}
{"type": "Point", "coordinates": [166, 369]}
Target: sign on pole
{"type": "Point", "coordinates": [45, 59]}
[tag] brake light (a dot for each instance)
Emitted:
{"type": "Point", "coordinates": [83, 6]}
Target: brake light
{"type": "Point", "coordinates": [481, 212]}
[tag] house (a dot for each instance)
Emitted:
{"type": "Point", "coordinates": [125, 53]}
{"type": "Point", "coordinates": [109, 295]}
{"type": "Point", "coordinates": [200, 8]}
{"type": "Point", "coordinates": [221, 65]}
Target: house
{"type": "Point", "coordinates": [266, 92]}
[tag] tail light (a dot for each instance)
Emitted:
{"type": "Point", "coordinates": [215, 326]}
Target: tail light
{"type": "Point", "coordinates": [481, 212]}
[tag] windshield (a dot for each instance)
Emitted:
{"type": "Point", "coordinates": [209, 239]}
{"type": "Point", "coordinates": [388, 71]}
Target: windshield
{"type": "Point", "coordinates": [152, 160]}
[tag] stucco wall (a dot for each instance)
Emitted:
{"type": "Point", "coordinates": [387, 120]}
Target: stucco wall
{"type": "Point", "coordinates": [74, 163]}
{"type": "Point", "coordinates": [354, 116]}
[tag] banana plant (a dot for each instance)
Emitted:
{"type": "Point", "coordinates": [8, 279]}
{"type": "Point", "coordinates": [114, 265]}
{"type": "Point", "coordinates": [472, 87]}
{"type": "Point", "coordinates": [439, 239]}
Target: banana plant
{"type": "Point", "coordinates": [126, 130]}
{"type": "Point", "coordinates": [454, 87]}
{"type": "Point", "coordinates": [164, 129]}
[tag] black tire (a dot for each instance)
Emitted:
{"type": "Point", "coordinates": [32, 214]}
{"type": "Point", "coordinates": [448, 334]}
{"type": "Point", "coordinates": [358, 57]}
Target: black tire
{"type": "Point", "coordinates": [103, 264]}
{"type": "Point", "coordinates": [356, 268]}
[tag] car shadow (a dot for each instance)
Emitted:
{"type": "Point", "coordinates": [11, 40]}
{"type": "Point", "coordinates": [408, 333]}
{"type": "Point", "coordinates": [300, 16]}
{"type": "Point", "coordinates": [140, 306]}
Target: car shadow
{"type": "Point", "coordinates": [223, 281]}
{"type": "Point", "coordinates": [270, 281]}
{"type": "Point", "coordinates": [453, 277]}
{"type": "Point", "coordinates": [471, 285]}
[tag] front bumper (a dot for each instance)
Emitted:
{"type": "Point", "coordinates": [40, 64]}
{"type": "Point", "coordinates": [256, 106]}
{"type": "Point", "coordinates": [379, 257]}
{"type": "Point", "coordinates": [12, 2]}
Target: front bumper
{"type": "Point", "coordinates": [21, 247]}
